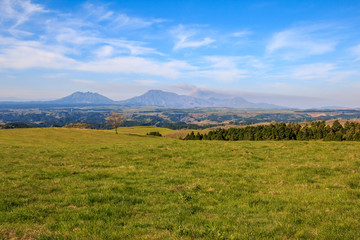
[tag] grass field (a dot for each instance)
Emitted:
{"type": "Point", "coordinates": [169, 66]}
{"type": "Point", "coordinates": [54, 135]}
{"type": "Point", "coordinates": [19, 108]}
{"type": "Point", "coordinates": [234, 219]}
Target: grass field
{"type": "Point", "coordinates": [89, 184]}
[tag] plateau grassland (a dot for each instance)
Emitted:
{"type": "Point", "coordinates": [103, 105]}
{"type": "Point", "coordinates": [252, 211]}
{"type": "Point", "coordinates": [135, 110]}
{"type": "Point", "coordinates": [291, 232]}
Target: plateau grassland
{"type": "Point", "coordinates": [58, 183]}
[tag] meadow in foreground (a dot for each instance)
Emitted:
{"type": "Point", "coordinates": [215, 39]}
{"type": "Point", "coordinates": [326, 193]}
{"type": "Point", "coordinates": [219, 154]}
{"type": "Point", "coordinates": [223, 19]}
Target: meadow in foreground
{"type": "Point", "coordinates": [91, 184]}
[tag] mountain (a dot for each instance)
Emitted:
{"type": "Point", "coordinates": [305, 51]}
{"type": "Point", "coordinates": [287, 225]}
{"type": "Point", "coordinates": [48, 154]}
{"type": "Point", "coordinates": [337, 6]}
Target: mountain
{"type": "Point", "coordinates": [165, 99]}
{"type": "Point", "coordinates": [168, 99]}
{"type": "Point", "coordinates": [84, 97]}
{"type": "Point", "coordinates": [156, 98]}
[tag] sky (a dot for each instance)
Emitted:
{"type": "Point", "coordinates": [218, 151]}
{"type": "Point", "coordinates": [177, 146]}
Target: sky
{"type": "Point", "coordinates": [291, 53]}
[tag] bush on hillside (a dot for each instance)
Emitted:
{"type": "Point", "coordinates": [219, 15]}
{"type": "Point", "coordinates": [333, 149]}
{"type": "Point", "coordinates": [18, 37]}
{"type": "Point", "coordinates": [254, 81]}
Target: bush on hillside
{"type": "Point", "coordinates": [15, 125]}
{"type": "Point", "coordinates": [79, 125]}
{"type": "Point", "coordinates": [154, 134]}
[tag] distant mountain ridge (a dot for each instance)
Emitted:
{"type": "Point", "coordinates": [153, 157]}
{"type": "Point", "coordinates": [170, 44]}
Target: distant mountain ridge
{"type": "Point", "coordinates": [167, 99]}
{"type": "Point", "coordinates": [84, 97]}
{"type": "Point", "coordinates": [158, 98]}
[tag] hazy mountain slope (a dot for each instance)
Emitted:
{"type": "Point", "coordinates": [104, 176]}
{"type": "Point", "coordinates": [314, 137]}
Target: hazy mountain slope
{"type": "Point", "coordinates": [158, 98]}
{"type": "Point", "coordinates": [166, 99]}
{"type": "Point", "coordinates": [84, 97]}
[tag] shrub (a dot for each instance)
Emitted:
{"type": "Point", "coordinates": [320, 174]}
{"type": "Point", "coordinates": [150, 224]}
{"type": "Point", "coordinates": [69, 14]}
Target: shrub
{"type": "Point", "coordinates": [15, 125]}
{"type": "Point", "coordinates": [79, 125]}
{"type": "Point", "coordinates": [154, 134]}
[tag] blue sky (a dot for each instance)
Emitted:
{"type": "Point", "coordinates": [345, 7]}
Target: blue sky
{"type": "Point", "coordinates": [292, 53]}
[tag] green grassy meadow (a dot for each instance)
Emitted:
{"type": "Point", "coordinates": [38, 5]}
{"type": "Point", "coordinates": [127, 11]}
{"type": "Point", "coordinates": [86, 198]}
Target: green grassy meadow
{"type": "Point", "coordinates": [58, 183]}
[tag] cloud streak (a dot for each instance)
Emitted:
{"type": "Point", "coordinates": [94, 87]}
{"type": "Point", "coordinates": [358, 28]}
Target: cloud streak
{"type": "Point", "coordinates": [183, 36]}
{"type": "Point", "coordinates": [300, 42]}
{"type": "Point", "coordinates": [356, 52]}
{"type": "Point", "coordinates": [18, 11]}
{"type": "Point", "coordinates": [25, 55]}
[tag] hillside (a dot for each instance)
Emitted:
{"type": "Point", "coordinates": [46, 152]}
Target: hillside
{"type": "Point", "coordinates": [151, 98]}
{"type": "Point", "coordinates": [133, 186]}
{"type": "Point", "coordinates": [167, 99]}
{"type": "Point", "coordinates": [83, 97]}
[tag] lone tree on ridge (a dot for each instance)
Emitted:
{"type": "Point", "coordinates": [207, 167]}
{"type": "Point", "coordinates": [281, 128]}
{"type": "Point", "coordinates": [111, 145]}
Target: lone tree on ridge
{"type": "Point", "coordinates": [115, 119]}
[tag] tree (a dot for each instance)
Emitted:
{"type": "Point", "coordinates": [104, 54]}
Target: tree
{"type": "Point", "coordinates": [336, 127]}
{"type": "Point", "coordinates": [115, 119]}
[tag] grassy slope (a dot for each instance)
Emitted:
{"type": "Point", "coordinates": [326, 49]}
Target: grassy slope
{"type": "Point", "coordinates": [88, 184]}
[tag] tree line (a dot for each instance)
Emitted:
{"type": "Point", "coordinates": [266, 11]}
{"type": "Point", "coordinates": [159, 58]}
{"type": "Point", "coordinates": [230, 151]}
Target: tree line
{"type": "Point", "coordinates": [280, 131]}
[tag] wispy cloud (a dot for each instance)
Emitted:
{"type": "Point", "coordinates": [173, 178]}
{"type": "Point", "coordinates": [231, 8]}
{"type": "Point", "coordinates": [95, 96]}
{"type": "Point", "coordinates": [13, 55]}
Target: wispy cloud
{"type": "Point", "coordinates": [77, 33]}
{"type": "Point", "coordinates": [313, 71]}
{"type": "Point", "coordinates": [326, 72]}
{"type": "Point", "coordinates": [129, 65]}
{"type": "Point", "coordinates": [356, 51]}
{"type": "Point", "coordinates": [16, 54]}
{"type": "Point", "coordinates": [241, 34]}
{"type": "Point", "coordinates": [72, 42]}
{"type": "Point", "coordinates": [102, 14]}
{"type": "Point", "coordinates": [222, 75]}
{"type": "Point", "coordinates": [227, 68]}
{"type": "Point", "coordinates": [83, 82]}
{"type": "Point", "coordinates": [147, 82]}
{"type": "Point", "coordinates": [18, 11]}
{"type": "Point", "coordinates": [25, 56]}
{"type": "Point", "coordinates": [226, 62]}
{"type": "Point", "coordinates": [183, 36]}
{"type": "Point", "coordinates": [299, 42]}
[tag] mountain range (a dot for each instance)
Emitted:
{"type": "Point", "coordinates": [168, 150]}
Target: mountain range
{"type": "Point", "coordinates": [161, 99]}
{"type": "Point", "coordinates": [84, 98]}
{"type": "Point", "coordinates": [168, 99]}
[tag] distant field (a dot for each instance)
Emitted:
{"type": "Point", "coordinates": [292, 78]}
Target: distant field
{"type": "Point", "coordinates": [58, 183]}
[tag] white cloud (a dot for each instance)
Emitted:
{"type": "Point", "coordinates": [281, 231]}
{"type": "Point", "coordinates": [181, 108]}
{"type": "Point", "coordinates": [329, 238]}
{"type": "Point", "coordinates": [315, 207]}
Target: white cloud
{"type": "Point", "coordinates": [32, 54]}
{"type": "Point", "coordinates": [223, 62]}
{"type": "Point", "coordinates": [182, 39]}
{"type": "Point", "coordinates": [322, 72]}
{"type": "Point", "coordinates": [313, 71]}
{"type": "Point", "coordinates": [356, 52]}
{"type": "Point", "coordinates": [181, 65]}
{"type": "Point", "coordinates": [241, 34]}
{"type": "Point", "coordinates": [229, 68]}
{"type": "Point", "coordinates": [130, 65]}
{"type": "Point", "coordinates": [77, 40]}
{"type": "Point", "coordinates": [55, 75]}
{"type": "Point", "coordinates": [300, 42]}
{"type": "Point", "coordinates": [222, 68]}
{"type": "Point", "coordinates": [100, 13]}
{"type": "Point", "coordinates": [248, 62]}
{"type": "Point", "coordinates": [133, 47]}
{"type": "Point", "coordinates": [105, 51]}
{"type": "Point", "coordinates": [18, 11]}
{"type": "Point", "coordinates": [146, 82]}
{"type": "Point", "coordinates": [78, 33]}
{"type": "Point", "coordinates": [222, 75]}
{"type": "Point", "coordinates": [83, 82]}
{"type": "Point", "coordinates": [122, 20]}
{"type": "Point", "coordinates": [72, 36]}
{"type": "Point", "coordinates": [24, 57]}
{"type": "Point", "coordinates": [81, 39]}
